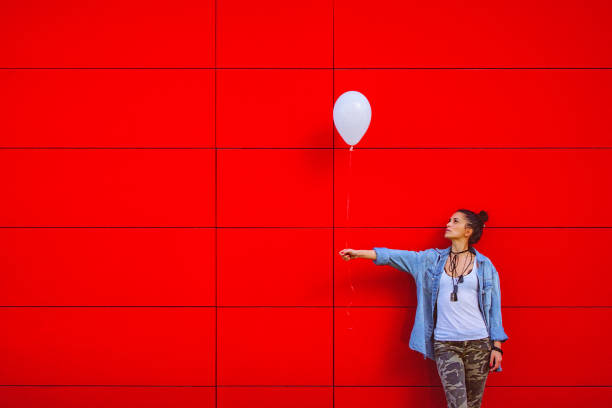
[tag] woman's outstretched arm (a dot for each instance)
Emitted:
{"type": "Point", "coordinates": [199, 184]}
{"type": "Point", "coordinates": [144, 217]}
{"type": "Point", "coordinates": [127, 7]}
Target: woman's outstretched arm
{"type": "Point", "coordinates": [404, 260]}
{"type": "Point", "coordinates": [348, 254]}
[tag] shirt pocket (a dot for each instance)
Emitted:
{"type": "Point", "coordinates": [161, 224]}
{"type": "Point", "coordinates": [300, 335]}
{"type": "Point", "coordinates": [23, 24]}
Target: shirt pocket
{"type": "Point", "coordinates": [487, 289]}
{"type": "Point", "coordinates": [428, 279]}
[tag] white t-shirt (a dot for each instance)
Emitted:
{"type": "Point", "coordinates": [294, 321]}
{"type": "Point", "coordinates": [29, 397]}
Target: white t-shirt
{"type": "Point", "coordinates": [460, 320]}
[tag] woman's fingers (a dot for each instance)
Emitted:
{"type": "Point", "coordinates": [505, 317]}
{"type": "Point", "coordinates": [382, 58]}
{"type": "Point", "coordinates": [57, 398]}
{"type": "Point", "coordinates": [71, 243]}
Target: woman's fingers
{"type": "Point", "coordinates": [494, 360]}
{"type": "Point", "coordinates": [343, 255]}
{"type": "Point", "coordinates": [346, 254]}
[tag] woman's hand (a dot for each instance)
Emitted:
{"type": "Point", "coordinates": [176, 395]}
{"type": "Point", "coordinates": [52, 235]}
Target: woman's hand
{"type": "Point", "coordinates": [348, 254]}
{"type": "Point", "coordinates": [495, 360]}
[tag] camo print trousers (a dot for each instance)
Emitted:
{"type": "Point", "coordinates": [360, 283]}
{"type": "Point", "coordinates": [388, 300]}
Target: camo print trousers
{"type": "Point", "coordinates": [463, 367]}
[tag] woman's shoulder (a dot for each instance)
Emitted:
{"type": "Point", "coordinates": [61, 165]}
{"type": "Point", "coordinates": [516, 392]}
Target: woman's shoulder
{"type": "Point", "coordinates": [489, 268]}
{"type": "Point", "coordinates": [484, 258]}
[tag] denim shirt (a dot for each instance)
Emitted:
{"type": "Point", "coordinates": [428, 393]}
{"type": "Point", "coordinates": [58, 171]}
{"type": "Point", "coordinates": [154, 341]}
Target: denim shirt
{"type": "Point", "coordinates": [427, 267]}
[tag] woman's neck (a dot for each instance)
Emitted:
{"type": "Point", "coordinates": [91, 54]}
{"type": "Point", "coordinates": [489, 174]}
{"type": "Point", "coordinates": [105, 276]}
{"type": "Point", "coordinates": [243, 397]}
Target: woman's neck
{"type": "Point", "coordinates": [459, 247]}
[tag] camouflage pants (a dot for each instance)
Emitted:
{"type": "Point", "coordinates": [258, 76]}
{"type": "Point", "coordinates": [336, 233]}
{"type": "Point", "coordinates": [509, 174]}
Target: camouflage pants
{"type": "Point", "coordinates": [463, 367]}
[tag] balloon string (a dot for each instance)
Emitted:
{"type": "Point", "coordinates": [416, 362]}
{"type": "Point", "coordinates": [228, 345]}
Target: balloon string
{"type": "Point", "coordinates": [348, 229]}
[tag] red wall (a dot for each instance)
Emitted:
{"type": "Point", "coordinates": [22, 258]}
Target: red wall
{"type": "Point", "coordinates": [174, 197]}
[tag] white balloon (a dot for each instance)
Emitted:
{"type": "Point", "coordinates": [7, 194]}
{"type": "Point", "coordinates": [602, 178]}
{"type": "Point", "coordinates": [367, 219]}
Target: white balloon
{"type": "Point", "coordinates": [352, 115]}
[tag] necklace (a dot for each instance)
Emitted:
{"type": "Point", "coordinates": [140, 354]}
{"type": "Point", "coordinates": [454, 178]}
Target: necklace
{"type": "Point", "coordinates": [453, 269]}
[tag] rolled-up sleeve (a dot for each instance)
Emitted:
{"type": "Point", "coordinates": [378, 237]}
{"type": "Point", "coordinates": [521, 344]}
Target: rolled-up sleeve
{"type": "Point", "coordinates": [404, 260]}
{"type": "Point", "coordinates": [382, 256]}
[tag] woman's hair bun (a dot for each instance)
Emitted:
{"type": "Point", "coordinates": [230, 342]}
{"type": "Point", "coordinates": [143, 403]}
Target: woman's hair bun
{"type": "Point", "coordinates": [484, 217]}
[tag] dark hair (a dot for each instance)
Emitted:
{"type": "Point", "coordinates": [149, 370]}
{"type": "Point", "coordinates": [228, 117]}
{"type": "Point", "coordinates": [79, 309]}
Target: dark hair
{"type": "Point", "coordinates": [476, 222]}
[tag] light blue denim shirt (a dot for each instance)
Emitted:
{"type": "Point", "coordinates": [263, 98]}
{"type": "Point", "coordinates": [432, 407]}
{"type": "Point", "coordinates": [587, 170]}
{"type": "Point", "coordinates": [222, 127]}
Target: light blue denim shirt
{"type": "Point", "coordinates": [426, 267]}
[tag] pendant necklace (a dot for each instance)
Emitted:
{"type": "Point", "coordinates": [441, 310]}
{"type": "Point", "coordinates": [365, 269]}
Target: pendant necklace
{"type": "Point", "coordinates": [453, 268]}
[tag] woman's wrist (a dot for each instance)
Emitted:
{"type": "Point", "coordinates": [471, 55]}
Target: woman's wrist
{"type": "Point", "coordinates": [366, 253]}
{"type": "Point", "coordinates": [497, 343]}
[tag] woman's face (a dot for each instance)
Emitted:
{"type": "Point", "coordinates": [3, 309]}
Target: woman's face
{"type": "Point", "coordinates": [456, 226]}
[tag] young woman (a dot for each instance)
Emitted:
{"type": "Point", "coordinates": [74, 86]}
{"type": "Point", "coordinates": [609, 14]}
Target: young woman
{"type": "Point", "coordinates": [458, 321]}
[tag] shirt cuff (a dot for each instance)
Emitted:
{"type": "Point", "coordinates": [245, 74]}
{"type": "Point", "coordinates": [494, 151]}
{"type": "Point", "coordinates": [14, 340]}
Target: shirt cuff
{"type": "Point", "coordinates": [382, 256]}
